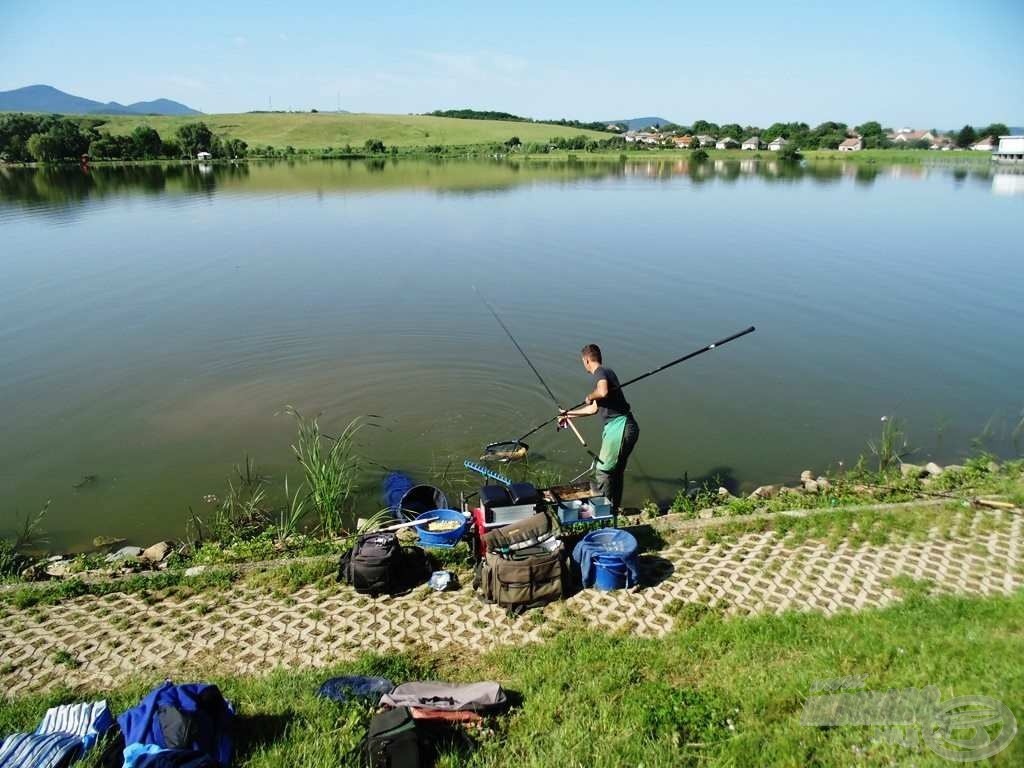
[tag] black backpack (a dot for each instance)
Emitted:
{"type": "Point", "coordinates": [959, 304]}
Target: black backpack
{"type": "Point", "coordinates": [392, 741]}
{"type": "Point", "coordinates": [379, 565]}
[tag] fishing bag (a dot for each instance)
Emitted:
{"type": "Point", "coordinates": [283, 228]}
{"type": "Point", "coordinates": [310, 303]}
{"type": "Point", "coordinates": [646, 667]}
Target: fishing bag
{"type": "Point", "coordinates": [523, 580]}
{"type": "Point", "coordinates": [378, 564]}
{"type": "Point", "coordinates": [393, 740]}
{"type": "Point", "coordinates": [520, 535]}
{"type": "Point", "coordinates": [472, 697]}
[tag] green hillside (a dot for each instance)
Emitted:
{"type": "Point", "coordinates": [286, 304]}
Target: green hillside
{"type": "Point", "coordinates": [324, 129]}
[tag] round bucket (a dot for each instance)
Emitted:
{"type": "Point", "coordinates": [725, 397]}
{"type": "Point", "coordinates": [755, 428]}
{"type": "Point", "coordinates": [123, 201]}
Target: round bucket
{"type": "Point", "coordinates": [610, 572]}
{"type": "Point", "coordinates": [422, 498]}
{"type": "Point", "coordinates": [448, 538]}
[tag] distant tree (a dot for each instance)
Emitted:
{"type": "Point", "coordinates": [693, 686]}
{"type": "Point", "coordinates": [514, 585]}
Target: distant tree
{"type": "Point", "coordinates": [698, 155]}
{"type": "Point", "coordinates": [732, 129]}
{"type": "Point", "coordinates": [194, 137]}
{"type": "Point", "coordinates": [870, 128]}
{"type": "Point", "coordinates": [966, 137]}
{"type": "Point", "coordinates": [44, 147]}
{"type": "Point", "coordinates": [146, 142]}
{"type": "Point", "coordinates": [995, 129]}
{"type": "Point", "coordinates": [513, 142]}
{"type": "Point", "coordinates": [314, 111]}
{"type": "Point", "coordinates": [170, 148]}
{"type": "Point", "coordinates": [703, 127]}
{"type": "Point", "coordinates": [790, 153]}
{"type": "Point", "coordinates": [374, 145]}
{"type": "Point", "coordinates": [235, 148]}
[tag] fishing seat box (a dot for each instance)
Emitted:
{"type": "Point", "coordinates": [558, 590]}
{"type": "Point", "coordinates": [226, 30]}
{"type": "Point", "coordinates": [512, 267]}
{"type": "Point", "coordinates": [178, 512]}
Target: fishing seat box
{"type": "Point", "coordinates": [507, 505]}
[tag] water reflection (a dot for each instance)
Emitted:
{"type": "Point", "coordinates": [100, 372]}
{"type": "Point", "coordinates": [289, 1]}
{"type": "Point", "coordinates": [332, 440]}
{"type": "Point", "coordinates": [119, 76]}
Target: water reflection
{"type": "Point", "coordinates": [1008, 182]}
{"type": "Point", "coordinates": [66, 187]}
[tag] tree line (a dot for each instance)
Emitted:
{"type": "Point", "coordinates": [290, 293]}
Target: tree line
{"type": "Point", "coordinates": [52, 138]}
{"type": "Point", "coordinates": [477, 114]}
{"type": "Point", "coordinates": [829, 135]}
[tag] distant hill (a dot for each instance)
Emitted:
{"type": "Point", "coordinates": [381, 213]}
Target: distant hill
{"type": "Point", "coordinates": [46, 98]}
{"type": "Point", "coordinates": [639, 123]}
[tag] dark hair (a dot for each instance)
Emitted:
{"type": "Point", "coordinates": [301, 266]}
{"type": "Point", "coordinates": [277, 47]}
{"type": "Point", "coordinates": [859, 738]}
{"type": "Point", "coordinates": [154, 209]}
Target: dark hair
{"type": "Point", "coordinates": [591, 352]}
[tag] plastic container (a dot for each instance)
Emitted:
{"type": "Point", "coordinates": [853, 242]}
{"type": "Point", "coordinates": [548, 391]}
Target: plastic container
{"type": "Point", "coordinates": [441, 538]}
{"type": "Point", "coordinates": [584, 510]}
{"type": "Point", "coordinates": [423, 498]}
{"type": "Point", "coordinates": [610, 572]}
{"type": "Point", "coordinates": [606, 558]}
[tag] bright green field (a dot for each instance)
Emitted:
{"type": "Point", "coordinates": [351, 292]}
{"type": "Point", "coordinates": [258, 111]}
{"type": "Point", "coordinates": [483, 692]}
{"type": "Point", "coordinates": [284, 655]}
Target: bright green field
{"type": "Point", "coordinates": [324, 129]}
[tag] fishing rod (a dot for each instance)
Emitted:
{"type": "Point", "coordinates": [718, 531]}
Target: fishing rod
{"type": "Point", "coordinates": [532, 368]}
{"type": "Point", "coordinates": [643, 376]}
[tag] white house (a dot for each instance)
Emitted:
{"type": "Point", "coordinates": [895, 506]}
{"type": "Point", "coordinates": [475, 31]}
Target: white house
{"type": "Point", "coordinates": [988, 144]}
{"type": "Point", "coordinates": [1011, 149]}
{"type": "Point", "coordinates": [852, 145]}
{"type": "Point", "coordinates": [706, 141]}
{"type": "Point", "coordinates": [682, 142]}
{"type": "Point", "coordinates": [753, 143]}
{"type": "Point", "coordinates": [727, 143]}
{"type": "Point", "coordinates": [203, 156]}
{"type": "Point", "coordinates": [904, 135]}
{"type": "Point", "coordinates": [777, 144]}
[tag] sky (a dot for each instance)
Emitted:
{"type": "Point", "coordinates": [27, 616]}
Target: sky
{"type": "Point", "coordinates": [934, 64]}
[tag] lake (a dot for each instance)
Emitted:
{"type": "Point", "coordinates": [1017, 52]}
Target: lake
{"type": "Point", "coordinates": [154, 321]}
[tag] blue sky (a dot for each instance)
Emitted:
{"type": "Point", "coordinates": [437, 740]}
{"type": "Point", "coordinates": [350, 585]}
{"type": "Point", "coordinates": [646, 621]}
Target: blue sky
{"type": "Point", "coordinates": [925, 64]}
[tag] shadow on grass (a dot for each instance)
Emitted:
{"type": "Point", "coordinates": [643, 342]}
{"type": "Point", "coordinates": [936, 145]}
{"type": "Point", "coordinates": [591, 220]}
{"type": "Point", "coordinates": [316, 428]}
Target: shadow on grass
{"type": "Point", "coordinates": [254, 732]}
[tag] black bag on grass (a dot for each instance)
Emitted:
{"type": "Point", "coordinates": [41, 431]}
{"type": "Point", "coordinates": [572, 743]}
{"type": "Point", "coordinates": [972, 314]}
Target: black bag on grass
{"type": "Point", "coordinates": [392, 741]}
{"type": "Point", "coordinates": [378, 564]}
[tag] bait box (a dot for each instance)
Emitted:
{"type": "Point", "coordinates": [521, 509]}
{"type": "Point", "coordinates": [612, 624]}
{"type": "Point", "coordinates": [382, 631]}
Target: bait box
{"type": "Point", "coordinates": [575, 511]}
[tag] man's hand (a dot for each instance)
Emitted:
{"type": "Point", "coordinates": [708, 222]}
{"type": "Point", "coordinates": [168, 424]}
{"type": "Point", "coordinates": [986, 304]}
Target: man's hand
{"type": "Point", "coordinates": [588, 399]}
{"type": "Point", "coordinates": [563, 419]}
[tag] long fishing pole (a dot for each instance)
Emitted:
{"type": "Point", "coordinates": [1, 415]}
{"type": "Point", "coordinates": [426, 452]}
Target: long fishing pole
{"type": "Point", "coordinates": [532, 366]}
{"type": "Point", "coordinates": [659, 369]}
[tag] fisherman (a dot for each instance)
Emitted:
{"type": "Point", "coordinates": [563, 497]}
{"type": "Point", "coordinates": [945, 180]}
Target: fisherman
{"type": "Point", "coordinates": [620, 432]}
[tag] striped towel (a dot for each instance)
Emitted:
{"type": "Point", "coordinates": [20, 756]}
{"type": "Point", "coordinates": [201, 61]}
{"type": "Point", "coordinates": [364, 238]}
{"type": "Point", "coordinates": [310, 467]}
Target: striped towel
{"type": "Point", "coordinates": [63, 736]}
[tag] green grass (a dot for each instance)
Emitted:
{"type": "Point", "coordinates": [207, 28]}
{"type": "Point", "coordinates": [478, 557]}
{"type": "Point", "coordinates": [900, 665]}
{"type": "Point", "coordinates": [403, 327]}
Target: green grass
{"type": "Point", "coordinates": [324, 129]}
{"type": "Point", "coordinates": [715, 692]}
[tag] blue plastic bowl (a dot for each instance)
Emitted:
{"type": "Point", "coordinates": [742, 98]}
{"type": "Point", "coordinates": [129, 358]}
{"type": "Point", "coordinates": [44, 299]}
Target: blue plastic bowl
{"type": "Point", "coordinates": [441, 538]}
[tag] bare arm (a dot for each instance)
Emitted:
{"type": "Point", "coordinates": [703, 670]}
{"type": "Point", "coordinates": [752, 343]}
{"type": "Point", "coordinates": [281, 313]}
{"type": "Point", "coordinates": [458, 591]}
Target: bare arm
{"type": "Point", "coordinates": [586, 410]}
{"type": "Point", "coordinates": [600, 391]}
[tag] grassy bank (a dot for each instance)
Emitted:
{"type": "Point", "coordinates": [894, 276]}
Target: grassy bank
{"type": "Point", "coordinates": [327, 129]}
{"type": "Point", "coordinates": [713, 692]}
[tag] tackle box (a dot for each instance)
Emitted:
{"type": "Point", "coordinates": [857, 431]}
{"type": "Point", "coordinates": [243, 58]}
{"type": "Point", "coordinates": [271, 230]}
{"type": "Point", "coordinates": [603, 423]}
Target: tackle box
{"type": "Point", "coordinates": [594, 509]}
{"type": "Point", "coordinates": [502, 506]}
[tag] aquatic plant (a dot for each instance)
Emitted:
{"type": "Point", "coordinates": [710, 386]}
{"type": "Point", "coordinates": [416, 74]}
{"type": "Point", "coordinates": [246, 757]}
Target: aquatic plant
{"type": "Point", "coordinates": [291, 513]}
{"type": "Point", "coordinates": [14, 556]}
{"type": "Point", "coordinates": [892, 446]}
{"type": "Point", "coordinates": [331, 472]}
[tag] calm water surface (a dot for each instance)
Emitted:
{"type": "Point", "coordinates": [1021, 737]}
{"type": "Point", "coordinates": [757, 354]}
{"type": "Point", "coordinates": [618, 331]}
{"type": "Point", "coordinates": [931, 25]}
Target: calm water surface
{"type": "Point", "coordinates": [154, 322]}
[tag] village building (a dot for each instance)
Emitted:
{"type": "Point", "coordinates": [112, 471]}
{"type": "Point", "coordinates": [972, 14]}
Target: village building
{"type": "Point", "coordinates": [203, 156]}
{"type": "Point", "coordinates": [852, 145]}
{"type": "Point", "coordinates": [753, 143]}
{"type": "Point", "coordinates": [904, 135]}
{"type": "Point", "coordinates": [777, 144]}
{"type": "Point", "coordinates": [683, 142]}
{"type": "Point", "coordinates": [727, 143]}
{"type": "Point", "coordinates": [988, 144]}
{"type": "Point", "coordinates": [1011, 149]}
{"type": "Point", "coordinates": [943, 143]}
{"type": "Point", "coordinates": [706, 141]}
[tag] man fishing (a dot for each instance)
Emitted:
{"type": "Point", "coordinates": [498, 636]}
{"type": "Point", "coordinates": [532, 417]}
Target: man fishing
{"type": "Point", "coordinates": [620, 433]}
